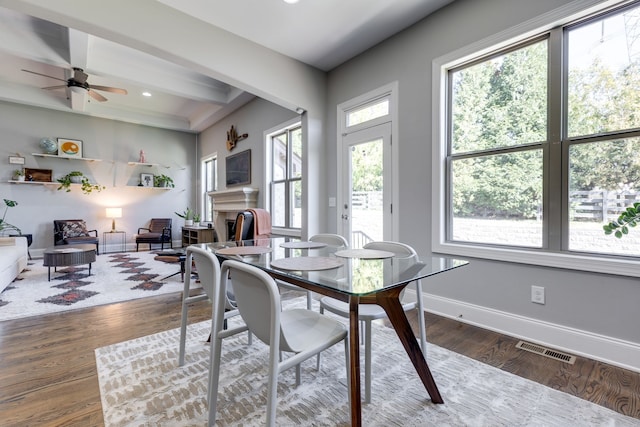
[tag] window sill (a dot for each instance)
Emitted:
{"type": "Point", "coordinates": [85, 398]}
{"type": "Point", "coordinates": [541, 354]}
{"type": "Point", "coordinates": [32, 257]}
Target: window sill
{"type": "Point", "coordinates": [621, 267]}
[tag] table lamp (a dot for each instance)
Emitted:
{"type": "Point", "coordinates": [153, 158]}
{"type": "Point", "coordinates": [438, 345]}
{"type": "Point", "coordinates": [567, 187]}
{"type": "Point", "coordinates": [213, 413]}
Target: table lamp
{"type": "Point", "coordinates": [114, 213]}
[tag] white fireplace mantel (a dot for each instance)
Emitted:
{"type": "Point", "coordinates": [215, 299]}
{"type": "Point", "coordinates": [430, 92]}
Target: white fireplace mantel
{"type": "Point", "coordinates": [226, 205]}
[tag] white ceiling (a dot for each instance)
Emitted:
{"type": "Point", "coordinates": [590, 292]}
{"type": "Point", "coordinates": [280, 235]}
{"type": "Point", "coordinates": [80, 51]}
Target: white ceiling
{"type": "Point", "coordinates": [321, 33]}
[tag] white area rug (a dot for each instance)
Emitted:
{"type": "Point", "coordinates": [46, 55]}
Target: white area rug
{"type": "Point", "coordinates": [114, 278]}
{"type": "Point", "coordinates": [142, 385]}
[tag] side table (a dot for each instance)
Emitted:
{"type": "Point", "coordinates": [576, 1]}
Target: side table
{"type": "Point", "coordinates": [116, 238]}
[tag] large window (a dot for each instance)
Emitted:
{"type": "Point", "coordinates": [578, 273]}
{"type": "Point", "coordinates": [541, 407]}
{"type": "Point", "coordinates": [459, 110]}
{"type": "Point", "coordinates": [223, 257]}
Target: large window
{"type": "Point", "coordinates": [286, 177]}
{"type": "Point", "coordinates": [209, 183]}
{"type": "Point", "coordinates": [542, 142]}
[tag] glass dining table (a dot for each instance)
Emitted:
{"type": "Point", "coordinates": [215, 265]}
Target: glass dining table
{"type": "Point", "coordinates": [355, 276]}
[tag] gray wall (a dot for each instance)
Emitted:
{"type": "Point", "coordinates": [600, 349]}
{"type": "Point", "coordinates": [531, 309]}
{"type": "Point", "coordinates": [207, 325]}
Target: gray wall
{"type": "Point", "coordinates": [598, 304]}
{"type": "Point", "coordinates": [254, 119]}
{"type": "Point", "coordinates": [115, 143]}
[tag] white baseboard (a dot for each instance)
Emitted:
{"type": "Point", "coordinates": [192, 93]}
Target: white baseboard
{"type": "Point", "coordinates": [613, 351]}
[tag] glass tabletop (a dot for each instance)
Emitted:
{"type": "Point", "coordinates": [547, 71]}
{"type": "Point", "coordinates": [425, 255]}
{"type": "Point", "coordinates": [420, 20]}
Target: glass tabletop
{"type": "Point", "coordinates": [321, 267]}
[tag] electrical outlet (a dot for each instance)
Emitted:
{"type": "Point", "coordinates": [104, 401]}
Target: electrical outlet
{"type": "Point", "coordinates": [537, 294]}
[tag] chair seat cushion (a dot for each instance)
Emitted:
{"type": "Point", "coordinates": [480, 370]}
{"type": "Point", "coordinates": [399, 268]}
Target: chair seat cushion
{"type": "Point", "coordinates": [150, 237]}
{"type": "Point", "coordinates": [80, 240]}
{"type": "Point", "coordinates": [365, 311]}
{"type": "Point", "coordinates": [304, 329]}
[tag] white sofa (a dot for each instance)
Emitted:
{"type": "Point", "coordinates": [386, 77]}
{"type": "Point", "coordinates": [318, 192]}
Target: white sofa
{"type": "Point", "coordinates": [13, 259]}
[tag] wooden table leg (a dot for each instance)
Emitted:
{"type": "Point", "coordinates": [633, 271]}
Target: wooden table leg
{"type": "Point", "coordinates": [354, 362]}
{"type": "Point", "coordinates": [390, 302]}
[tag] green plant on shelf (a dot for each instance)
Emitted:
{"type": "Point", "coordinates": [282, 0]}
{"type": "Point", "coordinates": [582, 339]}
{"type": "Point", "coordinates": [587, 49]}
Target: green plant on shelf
{"type": "Point", "coordinates": [77, 177]}
{"type": "Point", "coordinates": [186, 215]}
{"type": "Point", "coordinates": [163, 181]}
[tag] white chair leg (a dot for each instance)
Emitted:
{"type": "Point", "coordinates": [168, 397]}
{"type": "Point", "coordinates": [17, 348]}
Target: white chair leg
{"type": "Point", "coordinates": [318, 361]}
{"type": "Point", "coordinates": [309, 300]}
{"type": "Point", "coordinates": [421, 325]}
{"type": "Point", "coordinates": [367, 362]}
{"type": "Point", "coordinates": [272, 391]}
{"type": "Point", "coordinates": [183, 334]}
{"type": "Point", "coordinates": [214, 378]}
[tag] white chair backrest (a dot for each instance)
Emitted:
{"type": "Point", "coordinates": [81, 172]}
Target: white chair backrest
{"type": "Point", "coordinates": [330, 239]}
{"type": "Point", "coordinates": [258, 301]}
{"type": "Point", "coordinates": [400, 250]}
{"type": "Point", "coordinates": [208, 269]}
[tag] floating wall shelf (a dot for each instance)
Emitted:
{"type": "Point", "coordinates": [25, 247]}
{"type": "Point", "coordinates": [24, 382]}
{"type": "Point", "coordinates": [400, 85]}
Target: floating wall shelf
{"type": "Point", "coordinates": [146, 164]}
{"type": "Point", "coordinates": [65, 158]}
{"type": "Point", "coordinates": [36, 182]}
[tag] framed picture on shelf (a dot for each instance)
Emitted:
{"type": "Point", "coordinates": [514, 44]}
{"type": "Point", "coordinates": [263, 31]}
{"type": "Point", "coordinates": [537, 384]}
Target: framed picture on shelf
{"type": "Point", "coordinates": [69, 148]}
{"type": "Point", "coordinates": [239, 168]}
{"type": "Point", "coordinates": [146, 179]}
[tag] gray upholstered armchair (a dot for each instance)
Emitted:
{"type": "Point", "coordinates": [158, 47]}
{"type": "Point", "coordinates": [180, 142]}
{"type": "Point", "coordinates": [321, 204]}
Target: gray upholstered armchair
{"type": "Point", "coordinates": [74, 232]}
{"type": "Point", "coordinates": [158, 232]}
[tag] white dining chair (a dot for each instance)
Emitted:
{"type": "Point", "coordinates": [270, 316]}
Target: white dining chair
{"type": "Point", "coordinates": [302, 332]}
{"type": "Point", "coordinates": [208, 269]}
{"type": "Point", "coordinates": [327, 238]}
{"type": "Point", "coordinates": [367, 313]}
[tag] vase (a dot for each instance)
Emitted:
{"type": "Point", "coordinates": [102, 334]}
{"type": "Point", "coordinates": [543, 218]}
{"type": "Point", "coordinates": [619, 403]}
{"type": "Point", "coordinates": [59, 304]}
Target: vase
{"type": "Point", "coordinates": [76, 179]}
{"type": "Point", "coordinates": [49, 145]}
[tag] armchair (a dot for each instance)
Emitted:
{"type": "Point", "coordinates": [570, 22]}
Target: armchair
{"type": "Point", "coordinates": [74, 232]}
{"type": "Point", "coordinates": [158, 232]}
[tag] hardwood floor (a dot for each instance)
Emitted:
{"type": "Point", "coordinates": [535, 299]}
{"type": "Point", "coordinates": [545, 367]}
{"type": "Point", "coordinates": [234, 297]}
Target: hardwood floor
{"type": "Point", "coordinates": [48, 372]}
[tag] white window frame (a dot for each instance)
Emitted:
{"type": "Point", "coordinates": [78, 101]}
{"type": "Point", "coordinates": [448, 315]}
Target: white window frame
{"type": "Point", "coordinates": [203, 183]}
{"type": "Point", "coordinates": [440, 67]}
{"type": "Point", "coordinates": [268, 168]}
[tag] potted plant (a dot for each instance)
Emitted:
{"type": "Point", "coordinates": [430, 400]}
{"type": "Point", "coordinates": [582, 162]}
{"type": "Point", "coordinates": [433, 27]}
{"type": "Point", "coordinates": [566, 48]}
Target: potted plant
{"type": "Point", "coordinates": [196, 219]}
{"type": "Point", "coordinates": [3, 225]}
{"type": "Point", "coordinates": [19, 174]}
{"type": "Point", "coordinates": [187, 215]}
{"type": "Point", "coordinates": [77, 177]}
{"type": "Point", "coordinates": [163, 181]}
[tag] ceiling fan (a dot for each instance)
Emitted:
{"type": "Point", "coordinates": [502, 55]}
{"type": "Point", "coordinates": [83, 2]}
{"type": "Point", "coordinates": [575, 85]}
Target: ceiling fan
{"type": "Point", "coordinates": [79, 80]}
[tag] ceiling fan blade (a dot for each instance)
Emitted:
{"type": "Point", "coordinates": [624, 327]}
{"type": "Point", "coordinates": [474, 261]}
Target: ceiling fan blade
{"type": "Point", "coordinates": [54, 87]}
{"type": "Point", "coordinates": [97, 96]}
{"type": "Point", "coordinates": [79, 75]}
{"type": "Point", "coordinates": [110, 89]}
{"type": "Point", "coordinates": [43, 75]}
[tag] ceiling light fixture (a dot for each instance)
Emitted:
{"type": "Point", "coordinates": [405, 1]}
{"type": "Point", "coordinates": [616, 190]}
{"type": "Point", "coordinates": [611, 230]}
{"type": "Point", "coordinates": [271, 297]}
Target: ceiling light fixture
{"type": "Point", "coordinates": [291, 1]}
{"type": "Point", "coordinates": [146, 93]}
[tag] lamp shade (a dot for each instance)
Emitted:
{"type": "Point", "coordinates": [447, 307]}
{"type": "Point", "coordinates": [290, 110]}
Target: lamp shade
{"type": "Point", "coordinates": [114, 212]}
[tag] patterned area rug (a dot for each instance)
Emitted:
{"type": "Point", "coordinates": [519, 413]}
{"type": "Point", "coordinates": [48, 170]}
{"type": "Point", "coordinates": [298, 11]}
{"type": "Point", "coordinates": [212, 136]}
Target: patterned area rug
{"type": "Point", "coordinates": [114, 278]}
{"type": "Point", "coordinates": [141, 385]}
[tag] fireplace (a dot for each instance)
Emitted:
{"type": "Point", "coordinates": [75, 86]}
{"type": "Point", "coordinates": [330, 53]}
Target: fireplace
{"type": "Point", "coordinates": [226, 205]}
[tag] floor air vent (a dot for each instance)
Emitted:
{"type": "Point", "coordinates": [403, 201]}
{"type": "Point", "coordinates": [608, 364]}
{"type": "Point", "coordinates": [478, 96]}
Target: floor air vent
{"type": "Point", "coordinates": [553, 354]}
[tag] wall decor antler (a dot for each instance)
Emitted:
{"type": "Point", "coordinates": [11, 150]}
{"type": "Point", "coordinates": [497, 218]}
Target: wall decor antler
{"type": "Point", "coordinates": [233, 138]}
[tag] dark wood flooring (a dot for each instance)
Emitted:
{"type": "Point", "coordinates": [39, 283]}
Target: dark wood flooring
{"type": "Point", "coordinates": [48, 373]}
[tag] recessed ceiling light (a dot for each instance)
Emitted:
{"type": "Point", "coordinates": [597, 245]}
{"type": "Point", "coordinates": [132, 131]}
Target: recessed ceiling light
{"type": "Point", "coordinates": [291, 1]}
{"type": "Point", "coordinates": [146, 93]}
